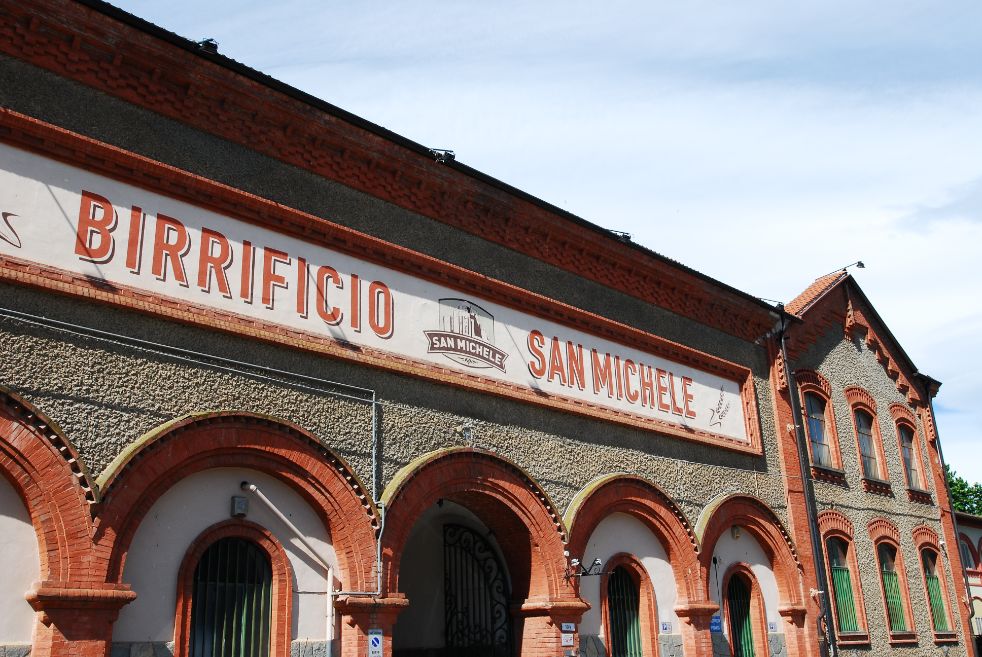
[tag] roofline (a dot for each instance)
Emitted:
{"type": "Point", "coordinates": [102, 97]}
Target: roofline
{"type": "Point", "coordinates": [281, 87]}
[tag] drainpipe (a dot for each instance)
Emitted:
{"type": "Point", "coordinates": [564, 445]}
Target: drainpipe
{"type": "Point", "coordinates": [932, 390]}
{"type": "Point", "coordinates": [811, 510]}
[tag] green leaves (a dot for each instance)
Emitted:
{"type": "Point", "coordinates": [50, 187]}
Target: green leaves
{"type": "Point", "coordinates": [965, 497]}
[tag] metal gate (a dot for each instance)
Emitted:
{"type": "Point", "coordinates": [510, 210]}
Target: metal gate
{"type": "Point", "coordinates": [476, 596]}
{"type": "Point", "coordinates": [623, 607]}
{"type": "Point", "coordinates": [741, 632]}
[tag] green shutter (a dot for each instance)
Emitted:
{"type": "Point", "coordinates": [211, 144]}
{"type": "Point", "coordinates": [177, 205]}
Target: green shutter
{"type": "Point", "coordinates": [230, 605]}
{"type": "Point", "coordinates": [937, 603]}
{"type": "Point", "coordinates": [623, 604]}
{"type": "Point", "coordinates": [741, 630]}
{"type": "Point", "coordinates": [845, 608]}
{"type": "Point", "coordinates": [895, 606]}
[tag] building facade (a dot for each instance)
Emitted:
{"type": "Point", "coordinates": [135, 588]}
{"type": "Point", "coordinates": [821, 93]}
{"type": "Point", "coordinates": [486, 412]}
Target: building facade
{"type": "Point", "coordinates": [969, 549]}
{"type": "Point", "coordinates": [278, 381]}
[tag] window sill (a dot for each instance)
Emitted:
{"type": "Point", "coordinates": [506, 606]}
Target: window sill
{"type": "Point", "coordinates": [853, 639]}
{"type": "Point", "coordinates": [945, 637]}
{"type": "Point", "coordinates": [919, 496]}
{"type": "Point", "coordinates": [903, 638]}
{"type": "Point", "coordinates": [829, 474]}
{"type": "Point", "coordinates": [877, 487]}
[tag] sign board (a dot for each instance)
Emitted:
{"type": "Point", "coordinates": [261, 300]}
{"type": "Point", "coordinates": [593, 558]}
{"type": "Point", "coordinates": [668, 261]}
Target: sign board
{"type": "Point", "coordinates": [374, 642]}
{"type": "Point", "coordinates": [569, 627]}
{"type": "Point", "coordinates": [771, 626]}
{"type": "Point", "coordinates": [715, 624]}
{"type": "Point", "coordinates": [666, 626]}
{"type": "Point", "coordinates": [133, 239]}
{"type": "Point", "coordinates": [567, 639]}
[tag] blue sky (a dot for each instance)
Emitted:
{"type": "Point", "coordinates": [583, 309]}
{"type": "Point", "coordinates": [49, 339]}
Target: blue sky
{"type": "Point", "coordinates": [718, 134]}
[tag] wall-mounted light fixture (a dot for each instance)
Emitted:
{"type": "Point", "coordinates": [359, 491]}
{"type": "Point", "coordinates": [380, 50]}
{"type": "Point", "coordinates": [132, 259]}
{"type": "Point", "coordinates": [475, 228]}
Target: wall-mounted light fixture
{"type": "Point", "coordinates": [575, 568]}
{"type": "Point", "coordinates": [735, 532]}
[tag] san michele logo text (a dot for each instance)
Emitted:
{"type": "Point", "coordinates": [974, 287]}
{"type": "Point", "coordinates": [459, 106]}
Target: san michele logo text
{"type": "Point", "coordinates": [466, 335]}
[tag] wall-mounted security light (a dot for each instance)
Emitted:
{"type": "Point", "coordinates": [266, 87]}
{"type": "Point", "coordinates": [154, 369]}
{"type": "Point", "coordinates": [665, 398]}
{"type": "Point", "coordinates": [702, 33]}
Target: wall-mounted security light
{"type": "Point", "coordinates": [240, 506]}
{"type": "Point", "coordinates": [735, 532]}
{"type": "Point", "coordinates": [575, 568]}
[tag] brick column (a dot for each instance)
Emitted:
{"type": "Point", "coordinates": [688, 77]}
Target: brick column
{"type": "Point", "coordinates": [796, 640]}
{"type": "Point", "coordinates": [696, 636]}
{"type": "Point", "coordinates": [538, 625]}
{"type": "Point", "coordinates": [362, 613]}
{"type": "Point", "coordinates": [76, 620]}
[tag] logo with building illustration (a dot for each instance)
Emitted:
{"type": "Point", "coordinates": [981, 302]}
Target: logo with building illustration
{"type": "Point", "coordinates": [466, 335]}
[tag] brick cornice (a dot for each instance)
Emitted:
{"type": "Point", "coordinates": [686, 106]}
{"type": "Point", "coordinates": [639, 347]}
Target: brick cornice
{"type": "Point", "coordinates": [96, 50]}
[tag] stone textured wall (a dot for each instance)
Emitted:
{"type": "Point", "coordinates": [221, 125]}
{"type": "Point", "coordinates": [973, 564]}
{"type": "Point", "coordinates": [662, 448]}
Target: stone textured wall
{"type": "Point", "coordinates": [847, 363]}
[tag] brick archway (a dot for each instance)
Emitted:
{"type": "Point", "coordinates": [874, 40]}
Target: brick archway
{"type": "Point", "coordinates": [138, 478]}
{"type": "Point", "coordinates": [528, 528]}
{"type": "Point", "coordinates": [762, 523]}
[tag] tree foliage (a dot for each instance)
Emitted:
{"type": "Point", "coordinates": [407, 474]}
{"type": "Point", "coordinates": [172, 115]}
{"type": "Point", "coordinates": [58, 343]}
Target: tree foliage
{"type": "Point", "coordinates": [965, 497]}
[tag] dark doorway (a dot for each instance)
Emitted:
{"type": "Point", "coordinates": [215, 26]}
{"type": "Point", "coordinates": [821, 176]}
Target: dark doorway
{"type": "Point", "coordinates": [623, 607]}
{"type": "Point", "coordinates": [741, 625]}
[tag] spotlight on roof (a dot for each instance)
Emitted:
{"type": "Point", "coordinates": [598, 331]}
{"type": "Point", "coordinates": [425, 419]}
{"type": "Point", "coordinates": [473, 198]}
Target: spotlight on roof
{"type": "Point", "coordinates": [442, 155]}
{"type": "Point", "coordinates": [208, 45]}
{"type": "Point", "coordinates": [858, 265]}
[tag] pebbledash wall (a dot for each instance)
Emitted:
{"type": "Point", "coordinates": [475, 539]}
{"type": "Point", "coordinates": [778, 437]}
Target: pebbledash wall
{"type": "Point", "coordinates": [181, 237]}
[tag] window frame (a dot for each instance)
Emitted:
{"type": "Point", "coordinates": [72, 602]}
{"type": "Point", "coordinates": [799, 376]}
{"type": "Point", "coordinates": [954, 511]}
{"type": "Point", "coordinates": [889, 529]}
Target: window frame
{"type": "Point", "coordinates": [834, 525]}
{"type": "Point", "coordinates": [812, 383]}
{"type": "Point", "coordinates": [903, 417]}
{"type": "Point", "coordinates": [647, 607]}
{"type": "Point", "coordinates": [860, 401]}
{"type": "Point", "coordinates": [927, 541]}
{"type": "Point", "coordinates": [884, 533]}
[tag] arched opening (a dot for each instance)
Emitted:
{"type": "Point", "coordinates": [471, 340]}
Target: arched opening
{"type": "Point", "coordinates": [623, 612]}
{"type": "Point", "coordinates": [739, 615]}
{"type": "Point", "coordinates": [22, 566]}
{"type": "Point", "coordinates": [231, 600]}
{"type": "Point", "coordinates": [459, 588]}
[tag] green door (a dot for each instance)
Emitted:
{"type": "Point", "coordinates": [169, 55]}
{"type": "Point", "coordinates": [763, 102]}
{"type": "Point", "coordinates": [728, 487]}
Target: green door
{"type": "Point", "coordinates": [741, 631]}
{"type": "Point", "coordinates": [623, 604]}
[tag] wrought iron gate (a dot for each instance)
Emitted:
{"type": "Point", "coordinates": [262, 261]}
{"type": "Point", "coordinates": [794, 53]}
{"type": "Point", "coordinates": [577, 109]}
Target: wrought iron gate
{"type": "Point", "coordinates": [476, 596]}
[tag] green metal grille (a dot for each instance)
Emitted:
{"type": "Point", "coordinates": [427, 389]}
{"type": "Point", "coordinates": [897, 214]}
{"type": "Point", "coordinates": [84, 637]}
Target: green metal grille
{"type": "Point", "coordinates": [937, 603]}
{"type": "Point", "coordinates": [845, 607]}
{"type": "Point", "coordinates": [230, 607]}
{"type": "Point", "coordinates": [624, 600]}
{"type": "Point", "coordinates": [895, 606]}
{"type": "Point", "coordinates": [741, 630]}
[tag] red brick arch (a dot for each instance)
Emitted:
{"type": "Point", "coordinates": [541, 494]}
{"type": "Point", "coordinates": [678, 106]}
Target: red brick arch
{"type": "Point", "coordinates": [141, 475]}
{"type": "Point", "coordinates": [633, 495]}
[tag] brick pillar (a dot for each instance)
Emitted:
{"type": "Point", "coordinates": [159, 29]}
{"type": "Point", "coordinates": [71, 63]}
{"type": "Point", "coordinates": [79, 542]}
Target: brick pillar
{"type": "Point", "coordinates": [76, 620]}
{"type": "Point", "coordinates": [696, 636]}
{"type": "Point", "coordinates": [796, 639]}
{"type": "Point", "coordinates": [359, 614]}
{"type": "Point", "coordinates": [538, 626]}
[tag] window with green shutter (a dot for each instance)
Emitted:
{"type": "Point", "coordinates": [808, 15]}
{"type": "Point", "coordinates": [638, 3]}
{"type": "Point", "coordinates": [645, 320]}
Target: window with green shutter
{"type": "Point", "coordinates": [939, 618]}
{"type": "Point", "coordinates": [891, 587]}
{"type": "Point", "coordinates": [623, 608]}
{"type": "Point", "coordinates": [741, 626]}
{"type": "Point", "coordinates": [230, 607]}
{"type": "Point", "coordinates": [845, 607]}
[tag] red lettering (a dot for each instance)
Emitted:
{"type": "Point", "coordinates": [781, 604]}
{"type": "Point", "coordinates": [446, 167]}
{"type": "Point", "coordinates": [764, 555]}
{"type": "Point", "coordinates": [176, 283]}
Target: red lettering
{"type": "Point", "coordinates": [301, 286]}
{"type": "Point", "coordinates": [556, 368]}
{"type": "Point", "coordinates": [380, 310]}
{"type": "Point", "coordinates": [165, 250]}
{"type": "Point", "coordinates": [537, 365]}
{"type": "Point", "coordinates": [574, 360]}
{"type": "Point", "coordinates": [332, 316]}
{"type": "Point", "coordinates": [355, 317]}
{"type": "Point", "coordinates": [618, 377]}
{"type": "Point", "coordinates": [629, 370]}
{"type": "Point", "coordinates": [272, 257]}
{"type": "Point", "coordinates": [647, 386]}
{"type": "Point", "coordinates": [248, 262]}
{"type": "Point", "coordinates": [134, 244]}
{"type": "Point", "coordinates": [676, 409]}
{"type": "Point", "coordinates": [96, 221]}
{"type": "Point", "coordinates": [687, 397]}
{"type": "Point", "coordinates": [662, 390]}
{"type": "Point", "coordinates": [210, 262]}
{"type": "Point", "coordinates": [601, 372]}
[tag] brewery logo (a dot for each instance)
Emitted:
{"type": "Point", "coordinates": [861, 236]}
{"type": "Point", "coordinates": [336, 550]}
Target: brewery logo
{"type": "Point", "coordinates": [466, 335]}
{"type": "Point", "coordinates": [7, 232]}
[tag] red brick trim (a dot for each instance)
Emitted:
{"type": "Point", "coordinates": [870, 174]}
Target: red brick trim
{"type": "Point", "coordinates": [49, 140]}
{"type": "Point", "coordinates": [831, 521]}
{"type": "Point", "coordinates": [857, 396]}
{"type": "Point", "coordinates": [281, 603]}
{"type": "Point", "coordinates": [137, 479]}
{"type": "Point", "coordinates": [758, 613]}
{"type": "Point", "coordinates": [43, 467]}
{"type": "Point", "coordinates": [97, 51]}
{"type": "Point", "coordinates": [508, 501]}
{"type": "Point", "coordinates": [647, 609]}
{"type": "Point", "coordinates": [811, 382]}
{"type": "Point", "coordinates": [926, 540]}
{"type": "Point", "coordinates": [880, 531]}
{"type": "Point", "coordinates": [640, 499]}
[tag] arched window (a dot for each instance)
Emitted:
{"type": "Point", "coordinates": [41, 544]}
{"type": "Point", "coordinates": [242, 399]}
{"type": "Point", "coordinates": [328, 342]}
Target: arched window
{"type": "Point", "coordinates": [818, 436]}
{"type": "Point", "coordinates": [965, 551]}
{"type": "Point", "coordinates": [867, 444]}
{"type": "Point", "coordinates": [623, 608]}
{"type": "Point", "coordinates": [845, 605]}
{"type": "Point", "coordinates": [908, 450]}
{"type": "Point", "coordinates": [231, 601]}
{"type": "Point", "coordinates": [823, 444]}
{"type": "Point", "coordinates": [935, 591]}
{"type": "Point", "coordinates": [893, 594]}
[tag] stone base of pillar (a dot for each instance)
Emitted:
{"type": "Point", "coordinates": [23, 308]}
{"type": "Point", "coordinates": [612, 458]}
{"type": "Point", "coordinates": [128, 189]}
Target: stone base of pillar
{"type": "Point", "coordinates": [361, 614]}
{"type": "Point", "coordinates": [76, 620]}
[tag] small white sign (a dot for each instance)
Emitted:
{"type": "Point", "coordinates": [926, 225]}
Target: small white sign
{"type": "Point", "coordinates": [666, 626]}
{"type": "Point", "coordinates": [569, 627]}
{"type": "Point", "coordinates": [567, 639]}
{"type": "Point", "coordinates": [772, 626]}
{"type": "Point", "coordinates": [375, 643]}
